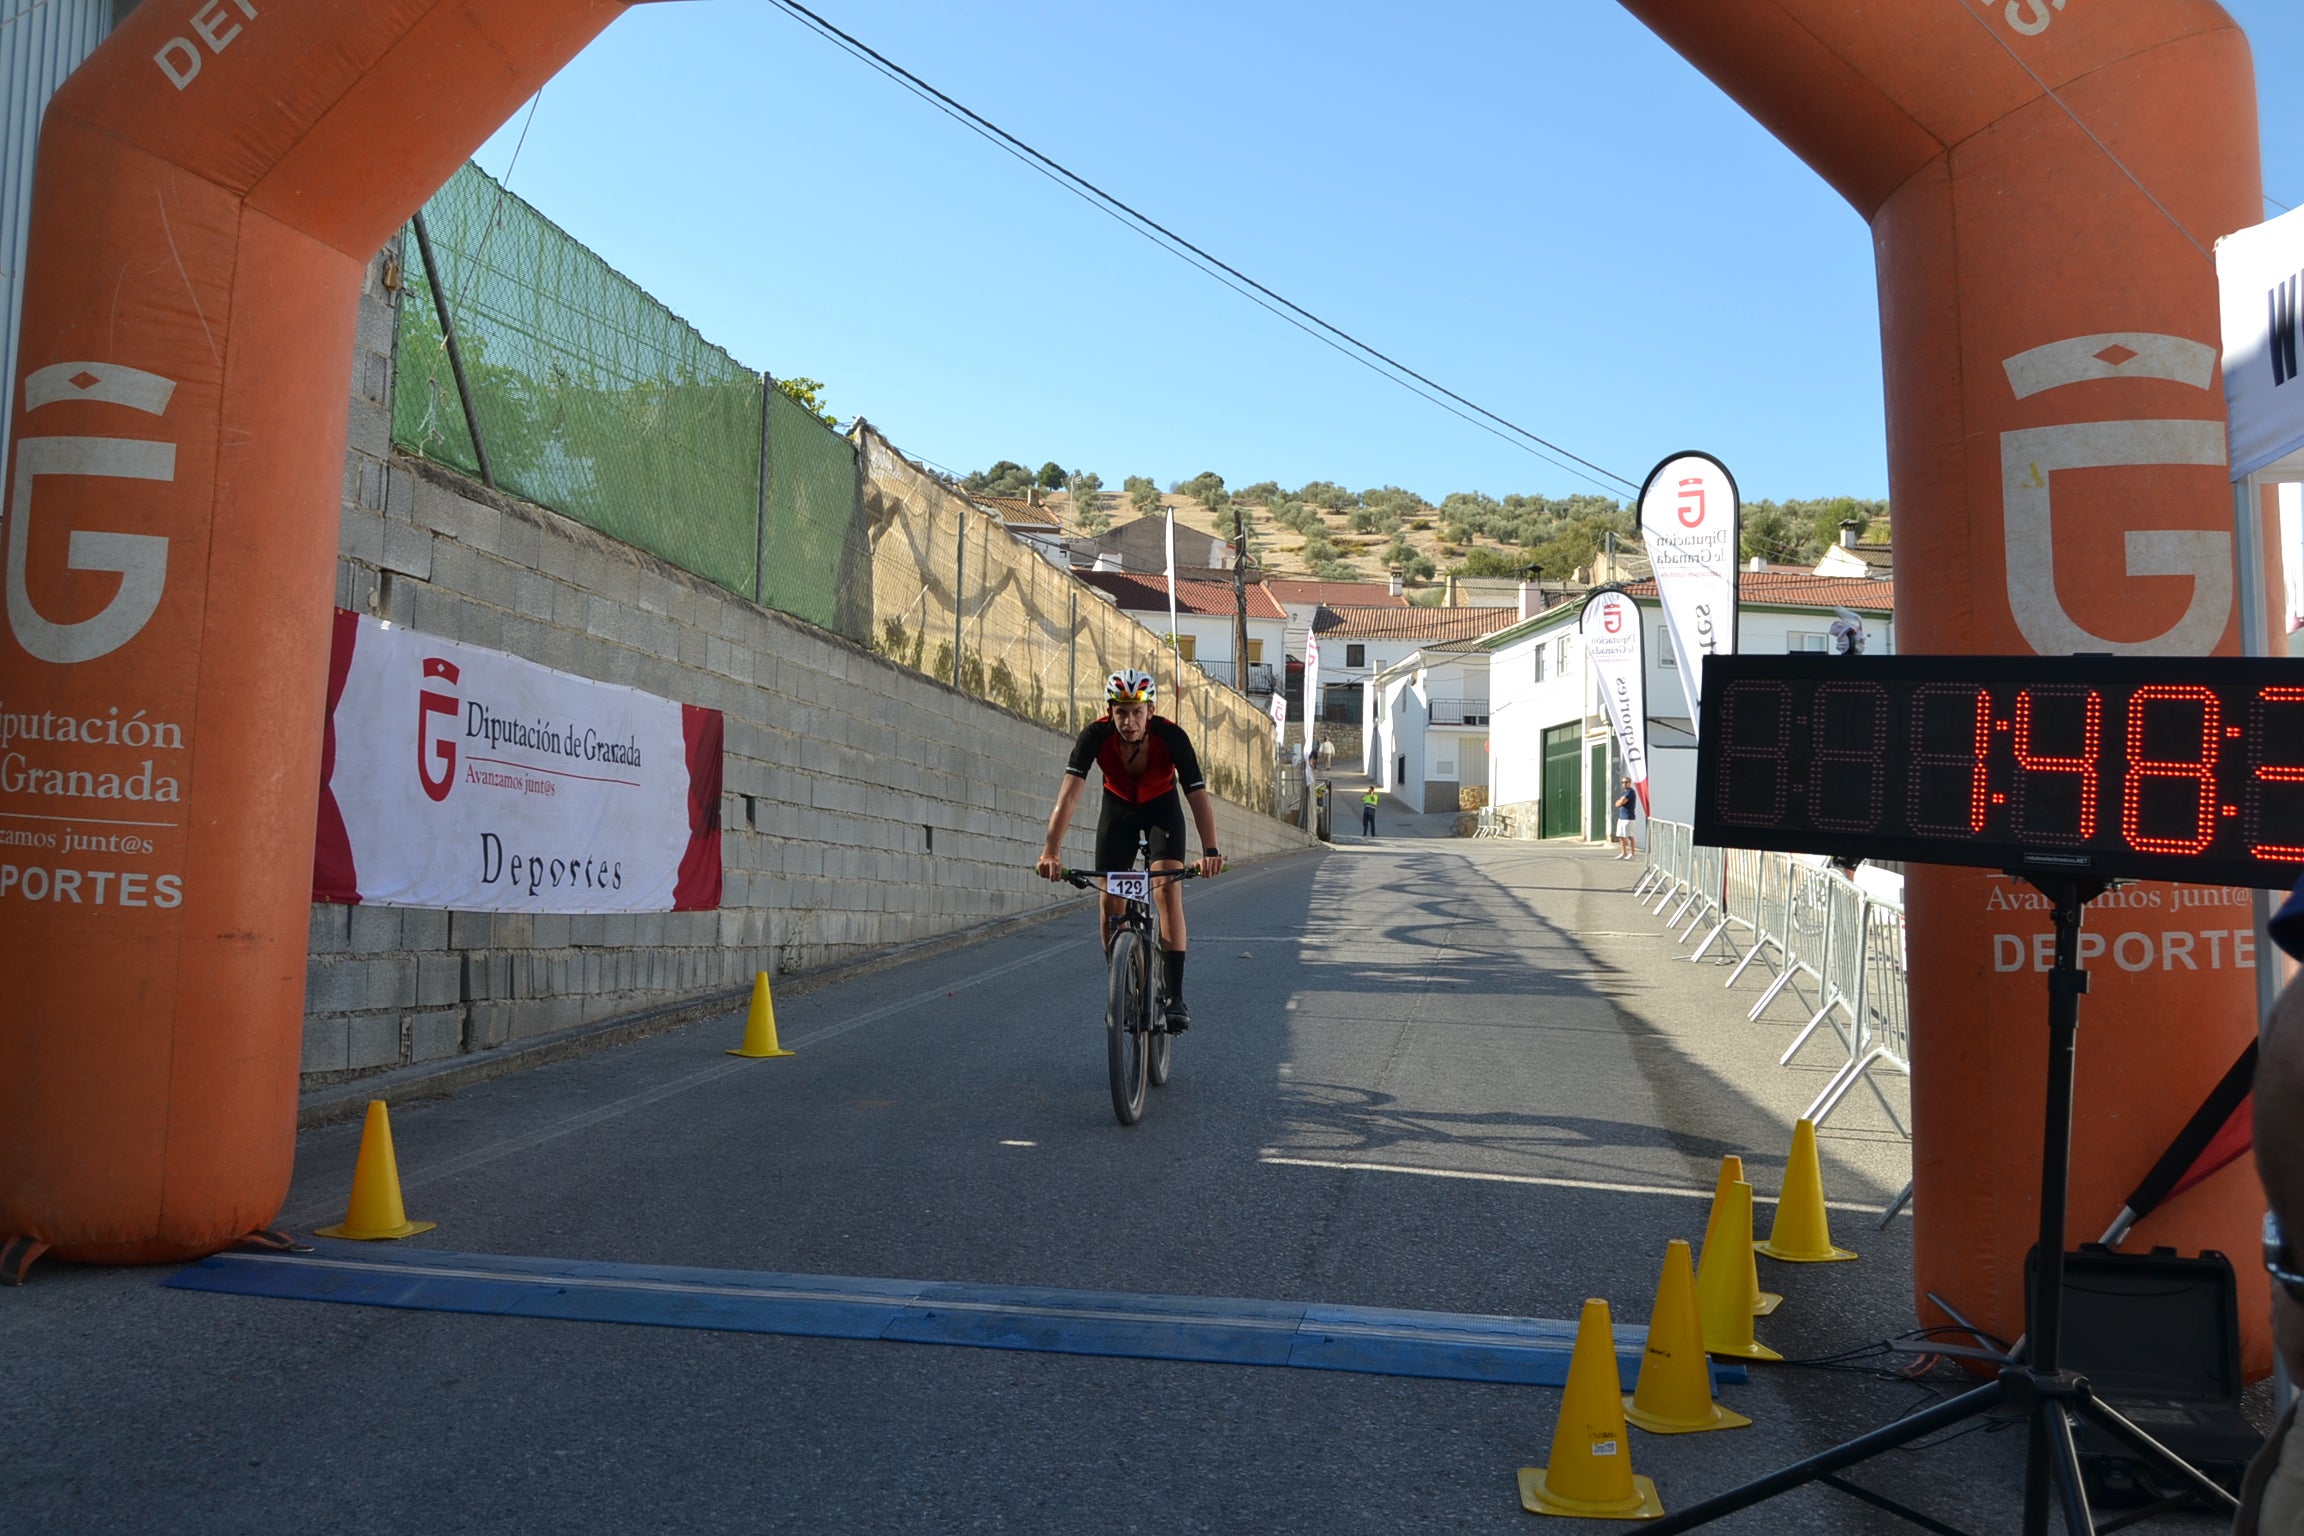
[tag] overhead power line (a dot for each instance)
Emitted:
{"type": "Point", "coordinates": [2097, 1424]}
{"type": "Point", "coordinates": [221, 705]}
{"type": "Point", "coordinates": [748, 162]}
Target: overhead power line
{"type": "Point", "coordinates": [1323, 331]}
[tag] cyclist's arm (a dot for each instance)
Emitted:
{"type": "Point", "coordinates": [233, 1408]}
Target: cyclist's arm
{"type": "Point", "coordinates": [1059, 819]}
{"type": "Point", "coordinates": [1204, 820]}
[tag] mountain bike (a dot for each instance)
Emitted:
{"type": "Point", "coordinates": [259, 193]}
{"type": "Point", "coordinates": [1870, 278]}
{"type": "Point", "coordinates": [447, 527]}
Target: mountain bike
{"type": "Point", "coordinates": [1137, 1044]}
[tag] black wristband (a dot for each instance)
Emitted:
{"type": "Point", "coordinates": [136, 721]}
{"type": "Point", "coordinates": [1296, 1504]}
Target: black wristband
{"type": "Point", "coordinates": [1210, 853]}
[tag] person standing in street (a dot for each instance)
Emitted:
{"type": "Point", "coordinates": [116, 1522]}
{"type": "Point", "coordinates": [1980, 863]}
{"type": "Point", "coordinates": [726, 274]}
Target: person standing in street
{"type": "Point", "coordinates": [1627, 816]}
{"type": "Point", "coordinates": [1368, 812]}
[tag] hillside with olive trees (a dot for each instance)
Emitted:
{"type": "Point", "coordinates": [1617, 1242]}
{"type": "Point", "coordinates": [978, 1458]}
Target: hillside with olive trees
{"type": "Point", "coordinates": [1325, 531]}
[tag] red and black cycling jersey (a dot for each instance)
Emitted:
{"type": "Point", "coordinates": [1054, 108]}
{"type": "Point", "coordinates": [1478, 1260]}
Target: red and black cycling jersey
{"type": "Point", "coordinates": [1168, 760]}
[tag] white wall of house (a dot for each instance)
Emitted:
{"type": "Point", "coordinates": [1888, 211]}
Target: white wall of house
{"type": "Point", "coordinates": [1424, 727]}
{"type": "Point", "coordinates": [1392, 733]}
{"type": "Point", "coordinates": [1337, 669]}
{"type": "Point", "coordinates": [1527, 698]}
{"type": "Point", "coordinates": [1211, 637]}
{"type": "Point", "coordinates": [1536, 681]}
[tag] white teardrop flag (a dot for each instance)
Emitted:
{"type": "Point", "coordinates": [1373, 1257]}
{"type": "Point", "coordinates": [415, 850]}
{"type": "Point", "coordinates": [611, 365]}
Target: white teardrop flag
{"type": "Point", "coordinates": [1690, 524]}
{"type": "Point", "coordinates": [1610, 627]}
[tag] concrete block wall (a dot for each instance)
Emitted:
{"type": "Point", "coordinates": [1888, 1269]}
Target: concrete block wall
{"type": "Point", "coordinates": [866, 805]}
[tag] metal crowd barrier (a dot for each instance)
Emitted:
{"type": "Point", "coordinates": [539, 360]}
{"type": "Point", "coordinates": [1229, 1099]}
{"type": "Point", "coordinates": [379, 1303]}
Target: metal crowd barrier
{"type": "Point", "coordinates": [1739, 905]}
{"type": "Point", "coordinates": [1883, 1024]}
{"type": "Point", "coordinates": [1652, 859]}
{"type": "Point", "coordinates": [1706, 877]}
{"type": "Point", "coordinates": [1842, 971]}
{"type": "Point", "coordinates": [1801, 920]}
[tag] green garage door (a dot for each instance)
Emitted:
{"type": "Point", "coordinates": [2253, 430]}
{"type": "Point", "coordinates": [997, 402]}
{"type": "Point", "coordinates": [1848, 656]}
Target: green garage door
{"type": "Point", "coordinates": [1563, 762]}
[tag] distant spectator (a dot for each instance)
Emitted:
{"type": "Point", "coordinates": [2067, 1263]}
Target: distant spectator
{"type": "Point", "coordinates": [1627, 817]}
{"type": "Point", "coordinates": [1368, 812]}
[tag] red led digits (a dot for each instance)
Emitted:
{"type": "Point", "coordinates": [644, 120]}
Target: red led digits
{"type": "Point", "coordinates": [2142, 768]}
{"type": "Point", "coordinates": [1941, 775]}
{"type": "Point", "coordinates": [1849, 761]}
{"type": "Point", "coordinates": [2290, 701]}
{"type": "Point", "coordinates": [1981, 778]}
{"type": "Point", "coordinates": [1752, 776]}
{"type": "Point", "coordinates": [2112, 767]}
{"type": "Point", "coordinates": [2035, 798]}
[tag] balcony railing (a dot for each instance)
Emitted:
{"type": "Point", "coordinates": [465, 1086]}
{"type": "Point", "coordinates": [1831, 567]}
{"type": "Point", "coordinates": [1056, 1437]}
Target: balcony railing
{"type": "Point", "coordinates": [1459, 711]}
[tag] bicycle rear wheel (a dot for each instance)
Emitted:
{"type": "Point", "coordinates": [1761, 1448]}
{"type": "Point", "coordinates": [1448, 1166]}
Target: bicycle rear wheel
{"type": "Point", "coordinates": [1126, 1009]}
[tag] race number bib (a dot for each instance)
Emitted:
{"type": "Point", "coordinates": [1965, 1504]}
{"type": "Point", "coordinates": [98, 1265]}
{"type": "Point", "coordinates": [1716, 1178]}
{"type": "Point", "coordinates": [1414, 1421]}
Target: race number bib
{"type": "Point", "coordinates": [1129, 884]}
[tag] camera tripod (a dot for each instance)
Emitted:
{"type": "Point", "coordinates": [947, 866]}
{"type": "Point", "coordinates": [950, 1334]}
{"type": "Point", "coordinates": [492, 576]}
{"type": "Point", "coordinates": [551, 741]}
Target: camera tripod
{"type": "Point", "coordinates": [2051, 1396]}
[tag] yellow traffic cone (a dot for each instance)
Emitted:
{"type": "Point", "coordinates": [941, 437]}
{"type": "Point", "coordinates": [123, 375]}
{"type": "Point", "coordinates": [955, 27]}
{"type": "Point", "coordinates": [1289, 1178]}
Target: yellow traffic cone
{"type": "Point", "coordinates": [1674, 1396]}
{"type": "Point", "coordinates": [1590, 1475]}
{"type": "Point", "coordinates": [1803, 1232]}
{"type": "Point", "coordinates": [1732, 1169]}
{"type": "Point", "coordinates": [760, 1024]}
{"type": "Point", "coordinates": [1724, 1281]}
{"type": "Point", "coordinates": [376, 1212]}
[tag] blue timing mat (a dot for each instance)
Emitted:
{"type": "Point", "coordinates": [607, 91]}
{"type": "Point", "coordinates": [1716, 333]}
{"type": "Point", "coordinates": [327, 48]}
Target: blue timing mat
{"type": "Point", "coordinates": [1453, 1346]}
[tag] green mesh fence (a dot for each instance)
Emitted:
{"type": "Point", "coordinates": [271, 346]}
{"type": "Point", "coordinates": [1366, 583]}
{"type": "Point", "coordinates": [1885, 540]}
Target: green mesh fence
{"type": "Point", "coordinates": [815, 563]}
{"type": "Point", "coordinates": [594, 399]}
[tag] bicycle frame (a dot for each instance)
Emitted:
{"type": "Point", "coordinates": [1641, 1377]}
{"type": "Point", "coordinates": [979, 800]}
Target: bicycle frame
{"type": "Point", "coordinates": [1137, 1040]}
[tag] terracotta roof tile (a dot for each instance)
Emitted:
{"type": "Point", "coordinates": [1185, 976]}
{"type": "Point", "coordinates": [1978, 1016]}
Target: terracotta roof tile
{"type": "Point", "coordinates": [1015, 509]}
{"type": "Point", "coordinates": [1366, 594]}
{"type": "Point", "coordinates": [1149, 594]}
{"type": "Point", "coordinates": [1800, 589]}
{"type": "Point", "coordinates": [1382, 623]}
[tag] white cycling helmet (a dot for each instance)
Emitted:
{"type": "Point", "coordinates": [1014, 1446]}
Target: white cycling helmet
{"type": "Point", "coordinates": [1130, 686]}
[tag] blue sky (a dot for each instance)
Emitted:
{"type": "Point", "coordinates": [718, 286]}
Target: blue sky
{"type": "Point", "coordinates": [1476, 192]}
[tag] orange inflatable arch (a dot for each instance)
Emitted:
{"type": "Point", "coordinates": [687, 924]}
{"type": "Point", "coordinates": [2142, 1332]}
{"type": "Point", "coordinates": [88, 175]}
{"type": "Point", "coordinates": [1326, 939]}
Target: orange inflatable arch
{"type": "Point", "coordinates": [213, 181]}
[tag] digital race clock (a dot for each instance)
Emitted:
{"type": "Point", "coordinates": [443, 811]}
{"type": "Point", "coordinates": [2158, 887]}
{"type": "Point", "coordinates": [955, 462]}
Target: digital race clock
{"type": "Point", "coordinates": [2153, 767]}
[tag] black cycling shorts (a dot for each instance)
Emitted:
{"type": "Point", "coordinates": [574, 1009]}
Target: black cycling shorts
{"type": "Point", "coordinates": [1159, 821]}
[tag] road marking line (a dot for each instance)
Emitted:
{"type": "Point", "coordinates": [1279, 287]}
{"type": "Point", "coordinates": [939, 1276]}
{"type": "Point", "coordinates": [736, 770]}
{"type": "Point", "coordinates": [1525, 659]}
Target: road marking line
{"type": "Point", "coordinates": [1602, 1186]}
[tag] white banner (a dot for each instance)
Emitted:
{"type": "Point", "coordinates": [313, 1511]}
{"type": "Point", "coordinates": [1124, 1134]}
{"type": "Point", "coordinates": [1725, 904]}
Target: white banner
{"type": "Point", "coordinates": [2260, 280]}
{"type": "Point", "coordinates": [1689, 521]}
{"type": "Point", "coordinates": [1280, 719]}
{"type": "Point", "coordinates": [1610, 627]}
{"type": "Point", "coordinates": [454, 776]}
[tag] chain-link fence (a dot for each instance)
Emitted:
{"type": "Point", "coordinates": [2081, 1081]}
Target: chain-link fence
{"type": "Point", "coordinates": [595, 400]}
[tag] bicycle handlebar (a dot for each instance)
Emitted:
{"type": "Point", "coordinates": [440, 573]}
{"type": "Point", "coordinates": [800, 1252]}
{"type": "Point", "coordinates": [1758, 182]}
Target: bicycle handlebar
{"type": "Point", "coordinates": [1081, 879]}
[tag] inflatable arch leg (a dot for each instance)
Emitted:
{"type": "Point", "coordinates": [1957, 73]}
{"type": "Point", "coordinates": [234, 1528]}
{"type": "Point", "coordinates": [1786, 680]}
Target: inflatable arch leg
{"type": "Point", "coordinates": [208, 194]}
{"type": "Point", "coordinates": [2056, 462]}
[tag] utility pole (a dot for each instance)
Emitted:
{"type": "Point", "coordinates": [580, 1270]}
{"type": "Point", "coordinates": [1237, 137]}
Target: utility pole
{"type": "Point", "coordinates": [1240, 598]}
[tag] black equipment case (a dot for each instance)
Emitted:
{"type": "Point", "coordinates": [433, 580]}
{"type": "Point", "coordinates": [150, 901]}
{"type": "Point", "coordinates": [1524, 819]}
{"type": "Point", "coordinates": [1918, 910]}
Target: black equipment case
{"type": "Point", "coordinates": [2158, 1337]}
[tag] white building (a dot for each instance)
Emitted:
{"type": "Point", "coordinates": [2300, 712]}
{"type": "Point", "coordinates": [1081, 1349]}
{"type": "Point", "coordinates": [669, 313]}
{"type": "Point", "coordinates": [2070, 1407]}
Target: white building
{"type": "Point", "coordinates": [1303, 600]}
{"type": "Point", "coordinates": [1205, 611]}
{"type": "Point", "coordinates": [1552, 763]}
{"type": "Point", "coordinates": [1427, 724]}
{"type": "Point", "coordinates": [1358, 642]}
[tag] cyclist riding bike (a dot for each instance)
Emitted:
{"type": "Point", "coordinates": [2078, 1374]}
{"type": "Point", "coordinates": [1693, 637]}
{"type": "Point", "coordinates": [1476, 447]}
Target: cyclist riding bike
{"type": "Point", "coordinates": [1146, 758]}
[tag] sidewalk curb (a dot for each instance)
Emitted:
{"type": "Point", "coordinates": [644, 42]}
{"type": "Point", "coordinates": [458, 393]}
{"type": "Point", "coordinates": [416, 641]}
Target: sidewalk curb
{"type": "Point", "coordinates": [339, 1102]}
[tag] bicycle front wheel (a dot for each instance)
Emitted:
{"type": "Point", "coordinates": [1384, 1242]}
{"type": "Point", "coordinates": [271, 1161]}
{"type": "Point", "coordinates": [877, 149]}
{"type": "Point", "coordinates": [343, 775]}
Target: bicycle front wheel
{"type": "Point", "coordinates": [1162, 1043]}
{"type": "Point", "coordinates": [1126, 1041]}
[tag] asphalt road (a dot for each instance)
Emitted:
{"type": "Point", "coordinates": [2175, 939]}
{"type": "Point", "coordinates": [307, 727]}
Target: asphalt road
{"type": "Point", "coordinates": [1426, 1073]}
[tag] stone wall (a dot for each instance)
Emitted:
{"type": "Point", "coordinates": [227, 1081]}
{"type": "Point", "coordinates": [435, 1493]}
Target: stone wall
{"type": "Point", "coordinates": [867, 806]}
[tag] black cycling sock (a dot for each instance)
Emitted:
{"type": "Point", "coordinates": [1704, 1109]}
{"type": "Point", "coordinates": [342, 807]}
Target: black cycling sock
{"type": "Point", "coordinates": [1172, 974]}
